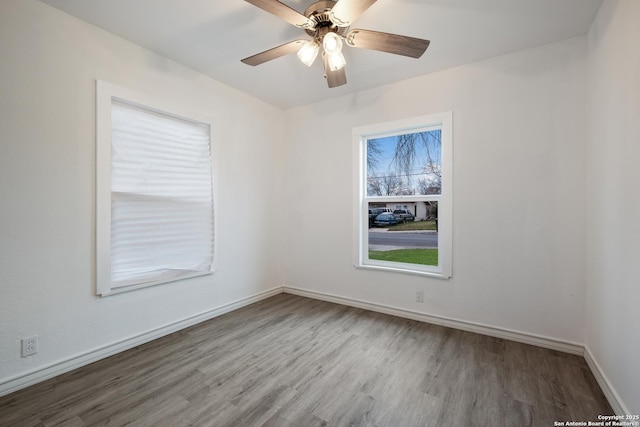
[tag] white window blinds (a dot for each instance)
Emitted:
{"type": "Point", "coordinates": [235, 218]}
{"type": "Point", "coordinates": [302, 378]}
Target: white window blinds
{"type": "Point", "coordinates": [162, 225]}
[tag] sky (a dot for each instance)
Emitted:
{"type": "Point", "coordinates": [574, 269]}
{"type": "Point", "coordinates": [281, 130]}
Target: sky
{"type": "Point", "coordinates": [384, 166]}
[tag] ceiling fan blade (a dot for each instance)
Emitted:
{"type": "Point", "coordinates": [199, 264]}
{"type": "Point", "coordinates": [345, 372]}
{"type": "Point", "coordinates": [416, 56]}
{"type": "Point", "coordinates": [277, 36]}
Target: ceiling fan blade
{"type": "Point", "coordinates": [276, 52]}
{"type": "Point", "coordinates": [385, 42]}
{"type": "Point", "coordinates": [283, 11]}
{"type": "Point", "coordinates": [346, 11]}
{"type": "Point", "coordinates": [334, 78]}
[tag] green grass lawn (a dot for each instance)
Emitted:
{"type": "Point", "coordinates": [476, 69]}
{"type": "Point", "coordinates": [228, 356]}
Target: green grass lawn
{"type": "Point", "coordinates": [414, 225]}
{"type": "Point", "coordinates": [410, 256]}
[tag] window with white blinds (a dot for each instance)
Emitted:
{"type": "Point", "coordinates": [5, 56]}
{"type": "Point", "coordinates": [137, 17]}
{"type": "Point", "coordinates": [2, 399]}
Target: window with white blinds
{"type": "Point", "coordinates": [160, 197]}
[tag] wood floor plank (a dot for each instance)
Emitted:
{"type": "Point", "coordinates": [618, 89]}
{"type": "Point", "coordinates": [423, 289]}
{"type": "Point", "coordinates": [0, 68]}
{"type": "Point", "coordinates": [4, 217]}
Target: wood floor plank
{"type": "Point", "coordinates": [293, 361]}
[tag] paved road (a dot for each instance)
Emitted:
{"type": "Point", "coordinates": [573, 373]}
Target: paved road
{"type": "Point", "coordinates": [414, 239]}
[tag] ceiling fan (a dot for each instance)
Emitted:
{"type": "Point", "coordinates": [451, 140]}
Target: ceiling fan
{"type": "Point", "coordinates": [327, 22]}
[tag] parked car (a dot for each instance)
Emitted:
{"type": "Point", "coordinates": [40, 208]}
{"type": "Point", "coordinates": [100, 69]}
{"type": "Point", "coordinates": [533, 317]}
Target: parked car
{"type": "Point", "coordinates": [385, 219]}
{"type": "Point", "coordinates": [374, 212]}
{"type": "Point", "coordinates": [403, 215]}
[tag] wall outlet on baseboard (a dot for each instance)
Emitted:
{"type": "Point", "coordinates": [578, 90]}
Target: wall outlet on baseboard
{"type": "Point", "coordinates": [419, 295]}
{"type": "Point", "coordinates": [29, 346]}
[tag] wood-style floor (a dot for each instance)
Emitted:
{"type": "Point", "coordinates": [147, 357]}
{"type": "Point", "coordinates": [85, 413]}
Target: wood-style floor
{"type": "Point", "coordinates": [293, 361]}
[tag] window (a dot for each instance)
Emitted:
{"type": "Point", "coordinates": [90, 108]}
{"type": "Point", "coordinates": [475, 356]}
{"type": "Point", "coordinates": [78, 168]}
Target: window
{"type": "Point", "coordinates": [154, 202]}
{"type": "Point", "coordinates": [404, 196]}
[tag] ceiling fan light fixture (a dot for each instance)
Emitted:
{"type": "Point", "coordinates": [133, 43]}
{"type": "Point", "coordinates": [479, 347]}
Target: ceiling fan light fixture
{"type": "Point", "coordinates": [336, 61]}
{"type": "Point", "coordinates": [328, 23]}
{"type": "Point", "coordinates": [308, 52]}
{"type": "Point", "coordinates": [332, 43]}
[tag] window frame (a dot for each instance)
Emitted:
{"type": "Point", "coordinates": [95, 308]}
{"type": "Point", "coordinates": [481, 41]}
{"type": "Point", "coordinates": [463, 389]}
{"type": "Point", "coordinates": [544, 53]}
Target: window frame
{"type": "Point", "coordinates": [106, 93]}
{"type": "Point", "coordinates": [442, 121]}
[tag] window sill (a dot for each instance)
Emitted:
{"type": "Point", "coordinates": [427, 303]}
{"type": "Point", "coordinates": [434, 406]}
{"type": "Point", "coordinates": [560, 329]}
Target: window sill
{"type": "Point", "coordinates": [134, 287]}
{"type": "Point", "coordinates": [394, 269]}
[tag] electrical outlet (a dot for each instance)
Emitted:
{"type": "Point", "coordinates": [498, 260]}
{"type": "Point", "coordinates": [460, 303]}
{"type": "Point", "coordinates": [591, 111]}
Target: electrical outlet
{"type": "Point", "coordinates": [419, 295]}
{"type": "Point", "coordinates": [29, 346]}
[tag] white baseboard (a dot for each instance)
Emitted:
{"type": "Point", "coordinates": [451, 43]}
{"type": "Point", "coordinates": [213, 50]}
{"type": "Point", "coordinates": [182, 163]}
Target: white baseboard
{"type": "Point", "coordinates": [539, 341]}
{"type": "Point", "coordinates": [32, 377]}
{"type": "Point", "coordinates": [609, 392]}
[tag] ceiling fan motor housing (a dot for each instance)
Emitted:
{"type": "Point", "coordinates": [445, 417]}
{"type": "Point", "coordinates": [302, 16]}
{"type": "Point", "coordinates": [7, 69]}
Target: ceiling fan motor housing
{"type": "Point", "coordinates": [320, 14]}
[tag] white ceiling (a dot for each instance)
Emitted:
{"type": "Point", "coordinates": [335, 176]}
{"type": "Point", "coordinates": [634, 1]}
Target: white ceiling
{"type": "Point", "coordinates": [212, 36]}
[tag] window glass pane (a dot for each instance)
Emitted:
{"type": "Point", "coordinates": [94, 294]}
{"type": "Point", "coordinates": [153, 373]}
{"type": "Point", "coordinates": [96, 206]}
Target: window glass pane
{"type": "Point", "coordinates": [406, 235]}
{"type": "Point", "coordinates": [405, 164]}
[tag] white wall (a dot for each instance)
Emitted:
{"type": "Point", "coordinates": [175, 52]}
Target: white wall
{"type": "Point", "coordinates": [49, 62]}
{"type": "Point", "coordinates": [613, 198]}
{"type": "Point", "coordinates": [519, 198]}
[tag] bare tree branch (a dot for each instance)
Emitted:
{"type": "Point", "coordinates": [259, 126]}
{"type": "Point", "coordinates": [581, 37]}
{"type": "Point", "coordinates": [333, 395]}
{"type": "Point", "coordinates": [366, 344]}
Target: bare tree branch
{"type": "Point", "coordinates": [415, 154]}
